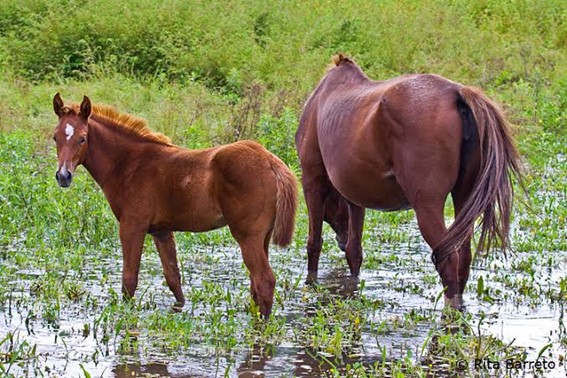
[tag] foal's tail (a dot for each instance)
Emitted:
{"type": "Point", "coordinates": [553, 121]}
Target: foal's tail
{"type": "Point", "coordinates": [286, 203]}
{"type": "Point", "coordinates": [492, 193]}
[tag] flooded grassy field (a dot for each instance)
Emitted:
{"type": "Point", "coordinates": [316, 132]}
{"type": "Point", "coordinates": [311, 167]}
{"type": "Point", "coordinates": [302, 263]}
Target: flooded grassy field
{"type": "Point", "coordinates": [211, 72]}
{"type": "Point", "coordinates": [61, 313]}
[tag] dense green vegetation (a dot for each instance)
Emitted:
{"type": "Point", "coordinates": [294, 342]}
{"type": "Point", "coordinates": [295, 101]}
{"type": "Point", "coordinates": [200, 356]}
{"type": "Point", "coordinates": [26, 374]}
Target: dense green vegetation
{"type": "Point", "coordinates": [210, 72]}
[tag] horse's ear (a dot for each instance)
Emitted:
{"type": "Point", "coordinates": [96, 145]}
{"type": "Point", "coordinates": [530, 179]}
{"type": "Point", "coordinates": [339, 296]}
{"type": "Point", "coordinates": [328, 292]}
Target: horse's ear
{"type": "Point", "coordinates": [339, 58]}
{"type": "Point", "coordinates": [85, 110]}
{"type": "Point", "coordinates": [57, 104]}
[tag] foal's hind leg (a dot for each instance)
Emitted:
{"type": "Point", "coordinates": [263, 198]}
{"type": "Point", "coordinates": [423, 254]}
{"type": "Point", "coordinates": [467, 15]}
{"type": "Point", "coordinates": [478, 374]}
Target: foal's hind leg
{"type": "Point", "coordinates": [262, 279]}
{"type": "Point", "coordinates": [266, 251]}
{"type": "Point", "coordinates": [165, 244]}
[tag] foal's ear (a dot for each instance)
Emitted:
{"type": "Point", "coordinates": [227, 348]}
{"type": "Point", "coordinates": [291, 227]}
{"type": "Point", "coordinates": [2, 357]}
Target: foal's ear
{"type": "Point", "coordinates": [85, 110]}
{"type": "Point", "coordinates": [57, 104]}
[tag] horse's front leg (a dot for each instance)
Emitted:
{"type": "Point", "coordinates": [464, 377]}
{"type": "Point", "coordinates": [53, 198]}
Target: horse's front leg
{"type": "Point", "coordinates": [165, 244]}
{"type": "Point", "coordinates": [132, 239]}
{"type": "Point", "coordinates": [353, 249]}
{"type": "Point", "coordinates": [314, 198]}
{"type": "Point", "coordinates": [336, 215]}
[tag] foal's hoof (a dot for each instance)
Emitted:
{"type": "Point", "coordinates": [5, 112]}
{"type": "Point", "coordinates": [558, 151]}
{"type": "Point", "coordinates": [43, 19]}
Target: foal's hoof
{"type": "Point", "coordinates": [133, 333]}
{"type": "Point", "coordinates": [177, 307]}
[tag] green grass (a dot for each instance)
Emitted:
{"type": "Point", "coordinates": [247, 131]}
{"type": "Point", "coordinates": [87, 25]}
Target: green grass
{"type": "Point", "coordinates": [207, 73]}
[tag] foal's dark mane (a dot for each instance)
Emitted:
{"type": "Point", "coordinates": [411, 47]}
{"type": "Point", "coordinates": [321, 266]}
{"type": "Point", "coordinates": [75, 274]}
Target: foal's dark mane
{"type": "Point", "coordinates": [124, 121]}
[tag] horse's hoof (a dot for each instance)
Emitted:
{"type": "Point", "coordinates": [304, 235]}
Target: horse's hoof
{"type": "Point", "coordinates": [342, 245]}
{"type": "Point", "coordinates": [311, 277]}
{"type": "Point", "coordinates": [455, 303]}
{"type": "Point", "coordinates": [355, 273]}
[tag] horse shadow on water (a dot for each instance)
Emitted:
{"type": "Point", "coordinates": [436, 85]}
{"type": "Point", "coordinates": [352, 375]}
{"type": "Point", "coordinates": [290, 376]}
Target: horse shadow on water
{"type": "Point", "coordinates": [300, 361]}
{"type": "Point", "coordinates": [262, 360]}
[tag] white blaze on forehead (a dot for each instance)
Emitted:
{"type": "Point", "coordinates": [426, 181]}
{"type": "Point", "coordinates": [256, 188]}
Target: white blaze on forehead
{"type": "Point", "coordinates": [69, 131]}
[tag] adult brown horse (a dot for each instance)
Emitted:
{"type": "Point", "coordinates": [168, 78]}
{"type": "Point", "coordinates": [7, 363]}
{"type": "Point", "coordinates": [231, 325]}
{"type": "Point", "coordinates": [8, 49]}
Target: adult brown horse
{"type": "Point", "coordinates": [406, 143]}
{"type": "Point", "coordinates": [156, 187]}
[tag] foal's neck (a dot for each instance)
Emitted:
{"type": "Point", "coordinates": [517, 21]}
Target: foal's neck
{"type": "Point", "coordinates": [110, 150]}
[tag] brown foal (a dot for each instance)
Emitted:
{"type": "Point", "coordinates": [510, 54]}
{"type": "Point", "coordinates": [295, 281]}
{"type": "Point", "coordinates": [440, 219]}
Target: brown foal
{"type": "Point", "coordinates": [154, 187]}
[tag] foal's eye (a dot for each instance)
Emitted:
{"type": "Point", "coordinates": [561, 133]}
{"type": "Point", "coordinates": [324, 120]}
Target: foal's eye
{"type": "Point", "coordinates": [82, 140]}
{"type": "Point", "coordinates": [54, 138]}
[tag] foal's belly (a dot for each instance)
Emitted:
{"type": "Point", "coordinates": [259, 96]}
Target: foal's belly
{"type": "Point", "coordinates": [189, 213]}
{"type": "Point", "coordinates": [374, 189]}
{"type": "Point", "coordinates": [189, 222]}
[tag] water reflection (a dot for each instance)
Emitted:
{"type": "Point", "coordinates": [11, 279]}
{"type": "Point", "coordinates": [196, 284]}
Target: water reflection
{"type": "Point", "coordinates": [136, 370]}
{"type": "Point", "coordinates": [296, 361]}
{"type": "Point", "coordinates": [254, 363]}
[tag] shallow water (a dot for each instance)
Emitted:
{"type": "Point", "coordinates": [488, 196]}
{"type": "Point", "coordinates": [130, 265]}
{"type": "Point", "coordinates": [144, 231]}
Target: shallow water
{"type": "Point", "coordinates": [400, 285]}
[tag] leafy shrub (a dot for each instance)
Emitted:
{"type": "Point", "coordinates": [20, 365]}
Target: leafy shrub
{"type": "Point", "coordinates": [278, 135]}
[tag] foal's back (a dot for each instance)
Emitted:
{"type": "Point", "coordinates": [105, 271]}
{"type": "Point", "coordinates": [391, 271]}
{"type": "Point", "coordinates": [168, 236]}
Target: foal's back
{"type": "Point", "coordinates": [192, 190]}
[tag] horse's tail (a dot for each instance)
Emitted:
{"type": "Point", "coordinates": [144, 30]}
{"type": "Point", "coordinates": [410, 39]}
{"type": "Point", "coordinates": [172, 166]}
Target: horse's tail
{"type": "Point", "coordinates": [492, 193]}
{"type": "Point", "coordinates": [286, 203]}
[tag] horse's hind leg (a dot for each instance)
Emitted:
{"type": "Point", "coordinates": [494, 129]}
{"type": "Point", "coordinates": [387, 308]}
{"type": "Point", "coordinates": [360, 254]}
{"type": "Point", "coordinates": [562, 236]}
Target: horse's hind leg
{"type": "Point", "coordinates": [429, 213]}
{"type": "Point", "coordinates": [460, 194]}
{"type": "Point", "coordinates": [165, 244]}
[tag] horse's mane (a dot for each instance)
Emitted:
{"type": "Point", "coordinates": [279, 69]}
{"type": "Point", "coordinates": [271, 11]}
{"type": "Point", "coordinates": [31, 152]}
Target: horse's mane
{"type": "Point", "coordinates": [341, 58]}
{"type": "Point", "coordinates": [124, 121]}
{"type": "Point", "coordinates": [349, 64]}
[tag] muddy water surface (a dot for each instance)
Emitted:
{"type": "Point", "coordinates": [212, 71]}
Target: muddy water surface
{"type": "Point", "coordinates": [398, 283]}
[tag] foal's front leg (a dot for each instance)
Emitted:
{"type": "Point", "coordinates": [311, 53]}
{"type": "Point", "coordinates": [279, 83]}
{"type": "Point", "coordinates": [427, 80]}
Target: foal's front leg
{"type": "Point", "coordinates": [132, 239]}
{"type": "Point", "coordinates": [165, 244]}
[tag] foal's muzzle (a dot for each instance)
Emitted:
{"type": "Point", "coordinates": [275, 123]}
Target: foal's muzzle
{"type": "Point", "coordinates": [63, 178]}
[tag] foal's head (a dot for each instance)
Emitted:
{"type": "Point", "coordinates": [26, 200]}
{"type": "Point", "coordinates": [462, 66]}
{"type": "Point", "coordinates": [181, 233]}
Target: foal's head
{"type": "Point", "coordinates": [71, 137]}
